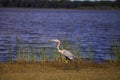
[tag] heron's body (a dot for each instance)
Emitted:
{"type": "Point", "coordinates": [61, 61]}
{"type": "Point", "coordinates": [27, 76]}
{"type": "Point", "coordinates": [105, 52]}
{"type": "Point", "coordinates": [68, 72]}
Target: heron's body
{"type": "Point", "coordinates": [66, 53]}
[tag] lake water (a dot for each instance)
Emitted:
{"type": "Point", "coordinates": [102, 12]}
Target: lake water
{"type": "Point", "coordinates": [94, 28]}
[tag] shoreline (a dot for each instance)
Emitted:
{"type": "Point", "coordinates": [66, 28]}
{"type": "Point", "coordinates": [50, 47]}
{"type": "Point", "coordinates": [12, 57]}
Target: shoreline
{"type": "Point", "coordinates": [58, 8]}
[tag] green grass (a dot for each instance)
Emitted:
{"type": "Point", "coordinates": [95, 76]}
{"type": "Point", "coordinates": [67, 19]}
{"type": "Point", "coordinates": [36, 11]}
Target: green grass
{"type": "Point", "coordinates": [59, 71]}
{"type": "Point", "coordinates": [115, 51]}
{"type": "Point", "coordinates": [10, 54]}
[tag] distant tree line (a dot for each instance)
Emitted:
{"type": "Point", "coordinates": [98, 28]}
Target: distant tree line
{"type": "Point", "coordinates": [59, 3]}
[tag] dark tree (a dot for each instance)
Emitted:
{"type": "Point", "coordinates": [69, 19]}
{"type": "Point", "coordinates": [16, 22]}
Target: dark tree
{"type": "Point", "coordinates": [59, 3]}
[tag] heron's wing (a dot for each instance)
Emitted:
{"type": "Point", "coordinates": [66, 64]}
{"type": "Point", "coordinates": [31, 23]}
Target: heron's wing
{"type": "Point", "coordinates": [69, 55]}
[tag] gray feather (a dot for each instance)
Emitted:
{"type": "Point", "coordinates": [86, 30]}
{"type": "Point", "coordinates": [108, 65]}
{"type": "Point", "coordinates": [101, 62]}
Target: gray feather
{"type": "Point", "coordinates": [70, 55]}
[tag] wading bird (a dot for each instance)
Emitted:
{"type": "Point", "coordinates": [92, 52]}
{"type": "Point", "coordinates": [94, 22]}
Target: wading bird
{"type": "Point", "coordinates": [67, 54]}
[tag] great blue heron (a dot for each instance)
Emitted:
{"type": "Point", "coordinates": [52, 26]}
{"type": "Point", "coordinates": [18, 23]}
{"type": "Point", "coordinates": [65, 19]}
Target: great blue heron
{"type": "Point", "coordinates": [67, 54]}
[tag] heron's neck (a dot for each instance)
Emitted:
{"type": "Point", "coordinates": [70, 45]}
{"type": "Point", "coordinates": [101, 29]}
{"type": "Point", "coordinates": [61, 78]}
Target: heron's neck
{"type": "Point", "coordinates": [58, 47]}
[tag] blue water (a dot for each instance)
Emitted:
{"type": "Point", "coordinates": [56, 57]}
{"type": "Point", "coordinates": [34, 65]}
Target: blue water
{"type": "Point", "coordinates": [94, 28]}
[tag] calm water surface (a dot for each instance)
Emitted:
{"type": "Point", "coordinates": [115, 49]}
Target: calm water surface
{"type": "Point", "coordinates": [94, 28]}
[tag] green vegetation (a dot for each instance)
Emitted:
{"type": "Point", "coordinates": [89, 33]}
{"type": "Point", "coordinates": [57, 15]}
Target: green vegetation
{"type": "Point", "coordinates": [86, 4]}
{"type": "Point", "coordinates": [43, 54]}
{"type": "Point", "coordinates": [115, 51]}
{"type": "Point", "coordinates": [10, 54]}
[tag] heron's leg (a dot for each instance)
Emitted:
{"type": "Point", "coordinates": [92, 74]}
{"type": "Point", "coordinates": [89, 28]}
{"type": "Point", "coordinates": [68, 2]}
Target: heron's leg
{"type": "Point", "coordinates": [67, 60]}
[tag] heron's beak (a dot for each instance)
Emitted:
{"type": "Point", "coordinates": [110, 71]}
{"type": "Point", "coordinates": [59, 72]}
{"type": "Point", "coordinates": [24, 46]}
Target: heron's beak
{"type": "Point", "coordinates": [52, 40]}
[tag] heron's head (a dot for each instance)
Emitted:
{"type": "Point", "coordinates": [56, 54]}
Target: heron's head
{"type": "Point", "coordinates": [55, 40]}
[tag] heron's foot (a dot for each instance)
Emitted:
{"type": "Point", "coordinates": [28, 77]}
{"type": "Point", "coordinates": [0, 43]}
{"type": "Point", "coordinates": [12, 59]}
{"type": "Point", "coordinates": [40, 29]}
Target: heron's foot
{"type": "Point", "coordinates": [66, 61]}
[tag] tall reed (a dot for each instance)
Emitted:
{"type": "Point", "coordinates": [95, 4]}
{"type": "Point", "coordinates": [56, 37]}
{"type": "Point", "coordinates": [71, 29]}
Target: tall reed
{"type": "Point", "coordinates": [90, 52]}
{"type": "Point", "coordinates": [65, 43]}
{"type": "Point", "coordinates": [116, 51]}
{"type": "Point", "coordinates": [80, 52]}
{"type": "Point", "coordinates": [10, 54]}
{"type": "Point", "coordinates": [44, 58]}
{"type": "Point", "coordinates": [51, 54]}
{"type": "Point", "coordinates": [27, 54]}
{"type": "Point", "coordinates": [39, 55]}
{"type": "Point", "coordinates": [57, 56]}
{"type": "Point", "coordinates": [17, 48]}
{"type": "Point", "coordinates": [32, 57]}
{"type": "Point", "coordinates": [20, 49]}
